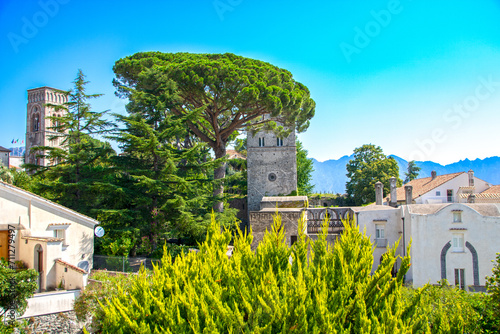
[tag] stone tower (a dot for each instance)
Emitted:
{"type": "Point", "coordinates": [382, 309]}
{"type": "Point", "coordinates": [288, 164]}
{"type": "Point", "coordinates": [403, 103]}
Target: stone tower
{"type": "Point", "coordinates": [38, 130]}
{"type": "Point", "coordinates": [271, 167]}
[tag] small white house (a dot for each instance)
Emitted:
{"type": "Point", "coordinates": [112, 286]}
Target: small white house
{"type": "Point", "coordinates": [444, 188]}
{"type": "Point", "coordinates": [50, 238]}
{"type": "Point", "coordinates": [4, 156]}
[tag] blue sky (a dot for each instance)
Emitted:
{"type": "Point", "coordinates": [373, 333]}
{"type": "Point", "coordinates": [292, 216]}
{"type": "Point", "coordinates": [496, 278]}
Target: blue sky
{"type": "Point", "coordinates": [421, 79]}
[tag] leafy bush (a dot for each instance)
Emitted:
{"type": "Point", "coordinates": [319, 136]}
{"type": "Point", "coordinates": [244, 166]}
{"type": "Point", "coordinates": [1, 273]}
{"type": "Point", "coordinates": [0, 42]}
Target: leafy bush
{"type": "Point", "coordinates": [308, 287]}
{"type": "Point", "coordinates": [107, 286]}
{"type": "Point", "coordinates": [449, 309]}
{"type": "Point", "coordinates": [16, 286]}
{"type": "Point", "coordinates": [493, 286]}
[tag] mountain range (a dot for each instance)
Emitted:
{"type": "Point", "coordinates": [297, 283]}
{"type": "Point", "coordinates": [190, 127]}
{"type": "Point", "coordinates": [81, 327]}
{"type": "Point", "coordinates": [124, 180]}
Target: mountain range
{"type": "Point", "coordinates": [330, 176]}
{"type": "Point", "coordinates": [17, 151]}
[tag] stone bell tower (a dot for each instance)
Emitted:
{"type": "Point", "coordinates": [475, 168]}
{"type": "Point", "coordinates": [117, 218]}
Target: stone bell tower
{"type": "Point", "coordinates": [38, 132]}
{"type": "Point", "coordinates": [271, 166]}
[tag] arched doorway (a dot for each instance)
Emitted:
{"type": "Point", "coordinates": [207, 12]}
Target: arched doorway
{"type": "Point", "coordinates": [38, 264]}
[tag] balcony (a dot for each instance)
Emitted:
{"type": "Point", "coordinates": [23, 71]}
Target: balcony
{"type": "Point", "coordinates": [380, 243]}
{"type": "Point", "coordinates": [316, 216]}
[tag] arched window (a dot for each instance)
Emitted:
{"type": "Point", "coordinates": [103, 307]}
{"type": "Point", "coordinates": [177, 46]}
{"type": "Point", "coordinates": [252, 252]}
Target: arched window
{"type": "Point", "coordinates": [35, 120]}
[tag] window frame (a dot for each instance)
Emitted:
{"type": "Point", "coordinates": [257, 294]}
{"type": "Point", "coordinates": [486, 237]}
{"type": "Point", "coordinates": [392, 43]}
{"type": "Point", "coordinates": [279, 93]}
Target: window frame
{"type": "Point", "coordinates": [449, 195]}
{"type": "Point", "coordinates": [460, 278]}
{"type": "Point", "coordinates": [458, 242]}
{"type": "Point", "coordinates": [457, 216]}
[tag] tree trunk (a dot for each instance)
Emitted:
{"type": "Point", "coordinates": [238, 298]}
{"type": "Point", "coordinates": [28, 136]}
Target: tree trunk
{"type": "Point", "coordinates": [219, 174]}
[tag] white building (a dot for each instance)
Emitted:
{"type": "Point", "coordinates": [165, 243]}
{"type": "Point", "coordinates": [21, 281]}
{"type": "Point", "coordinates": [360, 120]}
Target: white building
{"type": "Point", "coordinates": [48, 237]}
{"type": "Point", "coordinates": [4, 156]}
{"type": "Point", "coordinates": [443, 188]}
{"type": "Point", "coordinates": [453, 241]}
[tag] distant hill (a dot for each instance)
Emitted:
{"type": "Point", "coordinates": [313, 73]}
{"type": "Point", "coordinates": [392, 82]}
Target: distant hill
{"type": "Point", "coordinates": [330, 176]}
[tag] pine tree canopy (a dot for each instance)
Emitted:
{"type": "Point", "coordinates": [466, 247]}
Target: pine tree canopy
{"type": "Point", "coordinates": [218, 95]}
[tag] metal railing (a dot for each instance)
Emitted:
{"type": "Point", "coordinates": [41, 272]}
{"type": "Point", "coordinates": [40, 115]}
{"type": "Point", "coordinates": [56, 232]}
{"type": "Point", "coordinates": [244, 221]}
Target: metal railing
{"type": "Point", "coordinates": [123, 263]}
{"type": "Point", "coordinates": [316, 216]}
{"type": "Point", "coordinates": [380, 242]}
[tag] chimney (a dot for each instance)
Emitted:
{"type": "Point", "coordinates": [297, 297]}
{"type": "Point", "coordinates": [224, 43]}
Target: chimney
{"type": "Point", "coordinates": [379, 192]}
{"type": "Point", "coordinates": [433, 174]}
{"type": "Point", "coordinates": [472, 198]}
{"type": "Point", "coordinates": [394, 197]}
{"type": "Point", "coordinates": [471, 178]}
{"type": "Point", "coordinates": [408, 193]}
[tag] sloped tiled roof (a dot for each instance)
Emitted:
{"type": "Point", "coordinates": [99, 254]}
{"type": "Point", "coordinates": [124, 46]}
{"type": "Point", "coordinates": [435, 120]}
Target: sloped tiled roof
{"type": "Point", "coordinates": [3, 149]}
{"type": "Point", "coordinates": [4, 186]}
{"type": "Point", "coordinates": [424, 185]}
{"type": "Point", "coordinates": [68, 265]}
{"type": "Point", "coordinates": [492, 190]}
{"type": "Point", "coordinates": [233, 154]}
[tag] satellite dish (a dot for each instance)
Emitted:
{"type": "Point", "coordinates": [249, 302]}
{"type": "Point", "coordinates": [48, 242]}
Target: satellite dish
{"type": "Point", "coordinates": [85, 265]}
{"type": "Point", "coordinates": [99, 231]}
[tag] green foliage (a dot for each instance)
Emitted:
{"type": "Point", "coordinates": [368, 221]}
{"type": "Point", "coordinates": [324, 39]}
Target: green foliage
{"type": "Point", "coordinates": [6, 174]}
{"type": "Point", "coordinates": [493, 286]}
{"type": "Point", "coordinates": [106, 287]}
{"type": "Point", "coordinates": [16, 286]}
{"type": "Point", "coordinates": [217, 96]}
{"type": "Point", "coordinates": [304, 170]}
{"type": "Point", "coordinates": [76, 177]}
{"type": "Point", "coordinates": [306, 288]}
{"type": "Point", "coordinates": [369, 166]}
{"type": "Point", "coordinates": [448, 309]}
{"type": "Point", "coordinates": [412, 172]}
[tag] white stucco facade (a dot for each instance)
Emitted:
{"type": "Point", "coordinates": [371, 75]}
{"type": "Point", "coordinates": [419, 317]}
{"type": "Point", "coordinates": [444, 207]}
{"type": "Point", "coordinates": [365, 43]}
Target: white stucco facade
{"type": "Point", "coordinates": [45, 232]}
{"type": "Point", "coordinates": [454, 241]}
{"type": "Point", "coordinates": [440, 193]}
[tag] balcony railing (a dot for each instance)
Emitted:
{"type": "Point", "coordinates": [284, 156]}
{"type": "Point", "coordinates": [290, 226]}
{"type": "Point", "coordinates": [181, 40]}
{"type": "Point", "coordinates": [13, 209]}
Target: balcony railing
{"type": "Point", "coordinates": [380, 243]}
{"type": "Point", "coordinates": [316, 216]}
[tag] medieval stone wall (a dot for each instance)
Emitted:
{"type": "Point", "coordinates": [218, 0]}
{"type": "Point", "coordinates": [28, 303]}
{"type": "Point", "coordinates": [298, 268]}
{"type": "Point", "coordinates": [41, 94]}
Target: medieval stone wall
{"type": "Point", "coordinates": [271, 168]}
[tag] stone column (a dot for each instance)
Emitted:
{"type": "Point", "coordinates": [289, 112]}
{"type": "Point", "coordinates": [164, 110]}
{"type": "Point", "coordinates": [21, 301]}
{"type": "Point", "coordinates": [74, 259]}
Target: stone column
{"type": "Point", "coordinates": [408, 193]}
{"type": "Point", "coordinates": [379, 193]}
{"type": "Point", "coordinates": [394, 196]}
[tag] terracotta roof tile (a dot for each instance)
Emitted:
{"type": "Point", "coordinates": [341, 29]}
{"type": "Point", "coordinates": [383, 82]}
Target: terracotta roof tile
{"type": "Point", "coordinates": [66, 264]}
{"type": "Point", "coordinates": [424, 185]}
{"type": "Point", "coordinates": [233, 154]}
{"type": "Point", "coordinates": [492, 190]}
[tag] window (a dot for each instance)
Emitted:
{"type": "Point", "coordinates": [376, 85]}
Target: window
{"type": "Point", "coordinates": [380, 240]}
{"type": "Point", "coordinates": [279, 141]}
{"type": "Point", "coordinates": [36, 122]}
{"type": "Point", "coordinates": [261, 142]}
{"type": "Point", "coordinates": [438, 193]}
{"type": "Point", "coordinates": [60, 234]}
{"type": "Point", "coordinates": [449, 195]}
{"type": "Point", "coordinates": [457, 217]}
{"type": "Point", "coordinates": [379, 231]}
{"type": "Point", "coordinates": [458, 242]}
{"type": "Point", "coordinates": [460, 278]}
{"type": "Point", "coordinates": [293, 239]}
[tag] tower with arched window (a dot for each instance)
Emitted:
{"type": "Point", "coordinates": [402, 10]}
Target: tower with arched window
{"type": "Point", "coordinates": [271, 166]}
{"type": "Point", "coordinates": [38, 127]}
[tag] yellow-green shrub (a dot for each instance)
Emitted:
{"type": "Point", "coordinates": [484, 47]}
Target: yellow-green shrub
{"type": "Point", "coordinates": [307, 288]}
